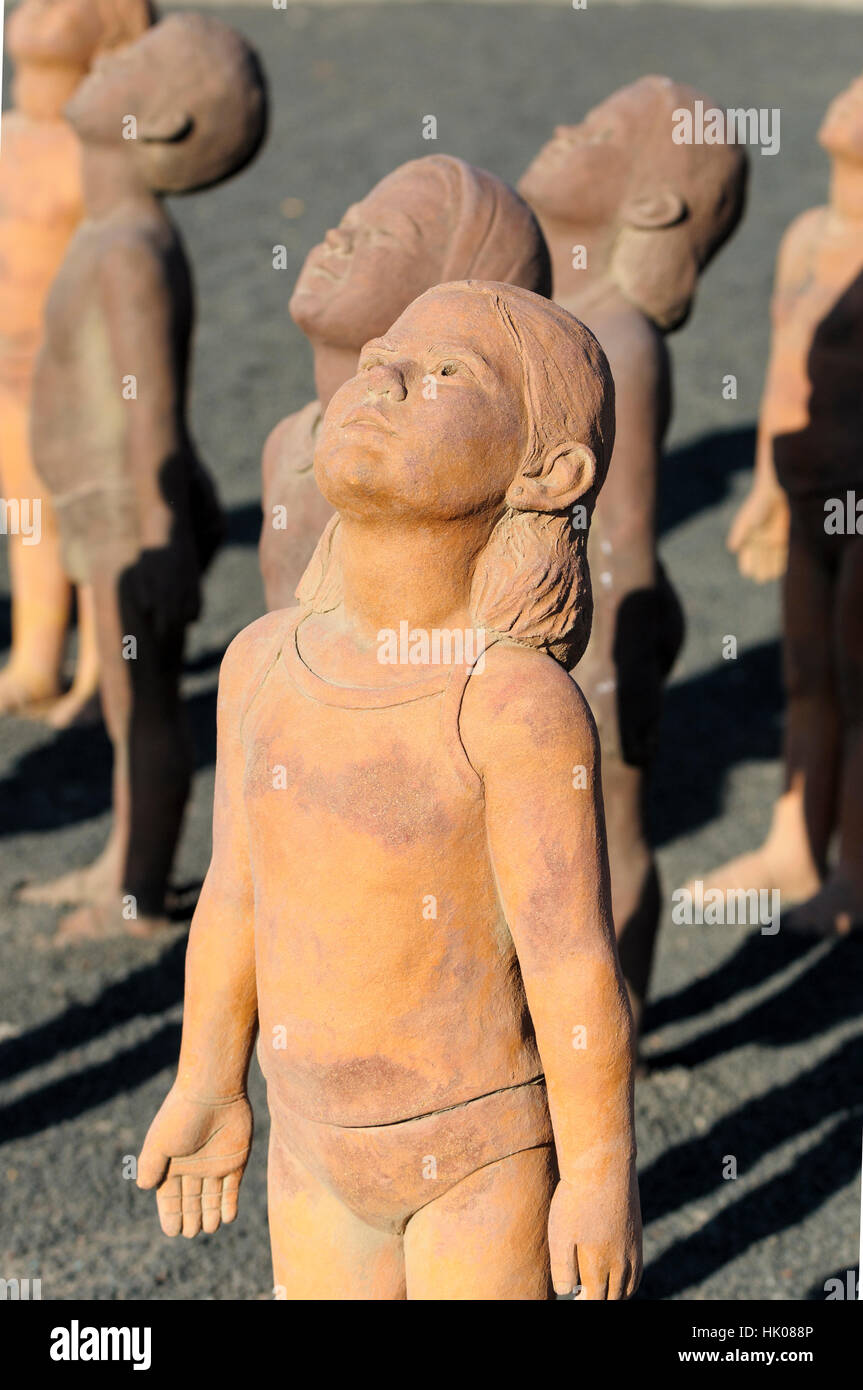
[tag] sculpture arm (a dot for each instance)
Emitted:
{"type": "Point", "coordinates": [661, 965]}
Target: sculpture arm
{"type": "Point", "coordinates": [136, 300]}
{"type": "Point", "coordinates": [220, 1009]}
{"type": "Point", "coordinates": [529, 733]}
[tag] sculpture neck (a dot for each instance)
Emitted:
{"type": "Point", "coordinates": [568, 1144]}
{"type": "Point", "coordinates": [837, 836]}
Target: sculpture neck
{"type": "Point", "coordinates": [333, 367]}
{"type": "Point", "coordinates": [112, 179]}
{"type": "Point", "coordinates": [846, 189]}
{"type": "Point", "coordinates": [420, 574]}
{"type": "Point", "coordinates": [41, 90]}
{"type": "Point", "coordinates": [581, 260]}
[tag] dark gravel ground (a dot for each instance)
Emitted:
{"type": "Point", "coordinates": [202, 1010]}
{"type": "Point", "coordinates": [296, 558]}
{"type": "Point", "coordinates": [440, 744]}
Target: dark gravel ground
{"type": "Point", "coordinates": [755, 1042]}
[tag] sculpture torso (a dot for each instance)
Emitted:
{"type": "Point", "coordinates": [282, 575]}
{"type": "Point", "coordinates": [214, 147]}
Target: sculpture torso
{"type": "Point", "coordinates": [389, 1011]}
{"type": "Point", "coordinates": [80, 416]}
{"type": "Point", "coordinates": [40, 207]}
{"type": "Point", "coordinates": [814, 391]}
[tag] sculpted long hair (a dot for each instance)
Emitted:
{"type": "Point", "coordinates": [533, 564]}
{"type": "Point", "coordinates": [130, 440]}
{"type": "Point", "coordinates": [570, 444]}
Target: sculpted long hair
{"type": "Point", "coordinates": [531, 583]}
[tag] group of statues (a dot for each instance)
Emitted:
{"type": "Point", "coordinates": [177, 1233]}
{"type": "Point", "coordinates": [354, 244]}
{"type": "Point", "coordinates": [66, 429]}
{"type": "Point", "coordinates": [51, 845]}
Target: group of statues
{"type": "Point", "coordinates": [425, 900]}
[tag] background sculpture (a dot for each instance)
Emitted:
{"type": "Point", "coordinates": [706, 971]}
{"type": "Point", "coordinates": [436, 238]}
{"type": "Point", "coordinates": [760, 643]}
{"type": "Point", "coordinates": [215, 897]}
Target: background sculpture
{"type": "Point", "coordinates": [432, 219]}
{"type": "Point", "coordinates": [138, 515]}
{"type": "Point", "coordinates": [409, 890]}
{"type": "Point", "coordinates": [631, 220]}
{"type": "Point", "coordinates": [803, 511]}
{"type": "Point", "coordinates": [53, 44]}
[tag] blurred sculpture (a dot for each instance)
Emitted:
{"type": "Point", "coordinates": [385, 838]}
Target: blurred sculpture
{"type": "Point", "coordinates": [182, 108]}
{"type": "Point", "coordinates": [803, 511]}
{"type": "Point", "coordinates": [431, 220]}
{"type": "Point", "coordinates": [53, 44]}
{"type": "Point", "coordinates": [409, 889]}
{"type": "Point", "coordinates": [631, 219]}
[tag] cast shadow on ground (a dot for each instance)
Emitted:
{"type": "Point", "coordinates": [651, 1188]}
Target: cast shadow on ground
{"type": "Point", "coordinates": [825, 994]}
{"type": "Point", "coordinates": [68, 779]}
{"type": "Point", "coordinates": [756, 959]}
{"type": "Point", "coordinates": [697, 476]}
{"type": "Point", "coordinates": [819, 998]}
{"type": "Point", "coordinates": [146, 992]}
{"type": "Point", "coordinates": [782, 1201]}
{"type": "Point", "coordinates": [710, 722]}
{"type": "Point", "coordinates": [83, 1090]}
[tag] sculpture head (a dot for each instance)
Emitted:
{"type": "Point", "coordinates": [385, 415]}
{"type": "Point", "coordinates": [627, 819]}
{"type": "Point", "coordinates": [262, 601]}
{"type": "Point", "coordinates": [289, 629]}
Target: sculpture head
{"type": "Point", "coordinates": [668, 207]}
{"type": "Point", "coordinates": [841, 132]}
{"type": "Point", "coordinates": [431, 220]}
{"type": "Point", "coordinates": [198, 96]}
{"type": "Point", "coordinates": [484, 401]}
{"type": "Point", "coordinates": [60, 39]}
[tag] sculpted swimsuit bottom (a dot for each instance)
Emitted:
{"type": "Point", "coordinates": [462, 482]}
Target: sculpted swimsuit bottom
{"type": "Point", "coordinates": [385, 1173]}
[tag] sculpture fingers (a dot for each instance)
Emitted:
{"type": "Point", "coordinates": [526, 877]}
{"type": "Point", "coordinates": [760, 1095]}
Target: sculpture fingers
{"type": "Point", "coordinates": [211, 1204]}
{"type": "Point", "coordinates": [230, 1195]}
{"type": "Point", "coordinates": [169, 1200]}
{"type": "Point", "coordinates": [152, 1165]}
{"type": "Point", "coordinates": [191, 1206]}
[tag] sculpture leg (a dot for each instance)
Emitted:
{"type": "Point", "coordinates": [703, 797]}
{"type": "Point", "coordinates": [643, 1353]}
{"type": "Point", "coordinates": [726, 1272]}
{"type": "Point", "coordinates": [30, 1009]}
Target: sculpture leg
{"type": "Point", "coordinates": [793, 856]}
{"type": "Point", "coordinates": [321, 1250]}
{"type": "Point", "coordinates": [838, 906]}
{"type": "Point", "coordinates": [82, 697]}
{"type": "Point", "coordinates": [635, 891]}
{"type": "Point", "coordinates": [152, 763]}
{"type": "Point", "coordinates": [41, 593]}
{"type": "Point", "coordinates": [487, 1237]}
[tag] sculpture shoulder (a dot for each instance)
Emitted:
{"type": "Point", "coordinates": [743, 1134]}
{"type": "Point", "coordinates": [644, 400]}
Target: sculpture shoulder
{"type": "Point", "coordinates": [248, 658]}
{"type": "Point", "coordinates": [799, 244]}
{"type": "Point", "coordinates": [524, 701]}
{"type": "Point", "coordinates": [135, 255]}
{"type": "Point", "coordinates": [636, 350]}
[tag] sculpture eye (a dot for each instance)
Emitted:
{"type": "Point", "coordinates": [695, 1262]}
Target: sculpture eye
{"type": "Point", "coordinates": [449, 369]}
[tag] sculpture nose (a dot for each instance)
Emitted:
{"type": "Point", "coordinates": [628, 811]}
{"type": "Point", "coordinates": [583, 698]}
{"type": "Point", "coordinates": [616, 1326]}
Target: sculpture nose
{"type": "Point", "coordinates": [386, 381]}
{"type": "Point", "coordinates": [338, 239]}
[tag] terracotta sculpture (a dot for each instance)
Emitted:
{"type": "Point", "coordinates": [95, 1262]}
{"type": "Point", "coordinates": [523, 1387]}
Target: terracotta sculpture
{"type": "Point", "coordinates": [803, 508]}
{"type": "Point", "coordinates": [409, 891]}
{"type": "Point", "coordinates": [432, 219]}
{"type": "Point", "coordinates": [631, 219]}
{"type": "Point", "coordinates": [53, 44]}
{"type": "Point", "coordinates": [137, 514]}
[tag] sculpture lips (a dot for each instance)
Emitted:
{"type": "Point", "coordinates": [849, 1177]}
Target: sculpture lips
{"type": "Point", "coordinates": [370, 416]}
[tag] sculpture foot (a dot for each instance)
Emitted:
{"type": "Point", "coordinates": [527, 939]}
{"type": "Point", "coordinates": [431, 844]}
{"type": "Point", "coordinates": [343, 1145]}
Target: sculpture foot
{"type": "Point", "coordinates": [29, 692]}
{"type": "Point", "coordinates": [835, 910]}
{"type": "Point", "coordinates": [89, 885]}
{"type": "Point", "coordinates": [76, 707]}
{"type": "Point", "coordinates": [100, 921]}
{"type": "Point", "coordinates": [760, 869]}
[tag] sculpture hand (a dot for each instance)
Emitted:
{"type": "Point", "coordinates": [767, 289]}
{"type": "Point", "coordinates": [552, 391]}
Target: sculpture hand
{"type": "Point", "coordinates": [759, 534]}
{"type": "Point", "coordinates": [194, 1155]}
{"type": "Point", "coordinates": [594, 1236]}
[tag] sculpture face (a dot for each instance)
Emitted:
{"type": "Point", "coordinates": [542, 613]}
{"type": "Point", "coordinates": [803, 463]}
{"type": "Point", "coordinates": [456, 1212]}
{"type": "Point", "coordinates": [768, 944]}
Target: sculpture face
{"type": "Point", "coordinates": [582, 173]}
{"type": "Point", "coordinates": [196, 92]}
{"type": "Point", "coordinates": [115, 87]}
{"type": "Point", "coordinates": [357, 281]}
{"type": "Point", "coordinates": [386, 448]}
{"type": "Point", "coordinates": [64, 32]}
{"type": "Point", "coordinates": [841, 130]}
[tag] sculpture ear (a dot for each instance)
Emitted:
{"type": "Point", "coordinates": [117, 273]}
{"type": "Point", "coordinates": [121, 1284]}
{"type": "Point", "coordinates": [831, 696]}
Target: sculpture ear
{"type": "Point", "coordinates": [567, 472]}
{"type": "Point", "coordinates": [165, 126]}
{"type": "Point", "coordinates": [652, 211]}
